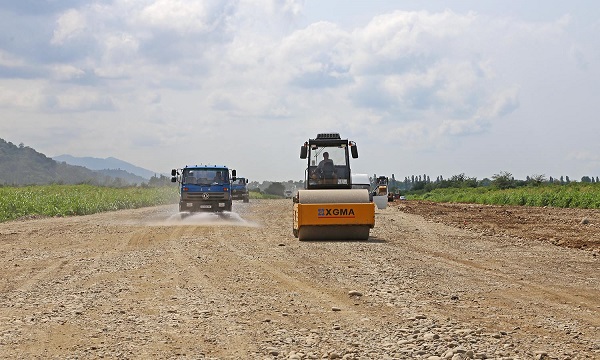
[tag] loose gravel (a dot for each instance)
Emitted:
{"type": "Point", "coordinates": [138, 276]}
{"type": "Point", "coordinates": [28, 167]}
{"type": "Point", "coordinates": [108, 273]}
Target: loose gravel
{"type": "Point", "coordinates": [139, 284]}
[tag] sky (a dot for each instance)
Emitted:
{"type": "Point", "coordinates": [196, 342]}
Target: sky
{"type": "Point", "coordinates": [423, 87]}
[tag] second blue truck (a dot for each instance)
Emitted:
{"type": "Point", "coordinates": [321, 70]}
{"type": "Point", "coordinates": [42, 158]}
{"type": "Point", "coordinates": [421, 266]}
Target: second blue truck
{"type": "Point", "coordinates": [239, 189]}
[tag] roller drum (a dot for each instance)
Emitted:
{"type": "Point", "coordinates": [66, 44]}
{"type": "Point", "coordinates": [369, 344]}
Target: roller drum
{"type": "Point", "coordinates": [334, 232]}
{"type": "Point", "coordinates": [346, 196]}
{"type": "Point", "coordinates": [347, 228]}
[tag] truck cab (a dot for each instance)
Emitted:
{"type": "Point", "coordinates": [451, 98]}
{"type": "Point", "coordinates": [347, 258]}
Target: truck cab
{"type": "Point", "coordinates": [204, 188]}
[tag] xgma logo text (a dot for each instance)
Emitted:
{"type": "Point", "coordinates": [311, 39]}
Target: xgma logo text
{"type": "Point", "coordinates": [336, 212]}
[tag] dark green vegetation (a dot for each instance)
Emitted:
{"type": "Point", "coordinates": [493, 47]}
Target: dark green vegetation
{"type": "Point", "coordinates": [574, 195]}
{"type": "Point", "coordinates": [262, 195]}
{"type": "Point", "coordinates": [66, 200]}
{"type": "Point", "coordinates": [503, 189]}
{"type": "Point", "coordinates": [275, 188]}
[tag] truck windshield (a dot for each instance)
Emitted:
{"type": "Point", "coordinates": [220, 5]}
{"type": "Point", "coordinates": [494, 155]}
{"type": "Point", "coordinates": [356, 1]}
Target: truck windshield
{"type": "Point", "coordinates": [205, 176]}
{"type": "Point", "coordinates": [240, 181]}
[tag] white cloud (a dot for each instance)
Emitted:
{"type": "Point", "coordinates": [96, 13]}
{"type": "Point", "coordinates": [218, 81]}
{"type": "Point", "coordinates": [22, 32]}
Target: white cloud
{"type": "Point", "coordinates": [587, 161]}
{"type": "Point", "coordinates": [403, 40]}
{"type": "Point", "coordinates": [406, 80]}
{"type": "Point", "coordinates": [579, 57]}
{"type": "Point", "coordinates": [66, 72]}
{"type": "Point", "coordinates": [69, 25]}
{"type": "Point", "coordinates": [79, 100]}
{"type": "Point", "coordinates": [502, 103]}
{"type": "Point", "coordinates": [24, 95]}
{"type": "Point", "coordinates": [463, 127]}
{"type": "Point", "coordinates": [9, 60]}
{"type": "Point", "coordinates": [183, 16]}
{"type": "Point", "coordinates": [584, 155]}
{"type": "Point", "coordinates": [120, 57]}
{"type": "Point", "coordinates": [318, 56]}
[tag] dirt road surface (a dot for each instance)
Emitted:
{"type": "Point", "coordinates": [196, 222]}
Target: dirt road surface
{"type": "Point", "coordinates": [432, 282]}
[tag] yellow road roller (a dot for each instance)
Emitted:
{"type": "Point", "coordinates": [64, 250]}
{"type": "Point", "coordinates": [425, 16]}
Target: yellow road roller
{"type": "Point", "coordinates": [328, 208]}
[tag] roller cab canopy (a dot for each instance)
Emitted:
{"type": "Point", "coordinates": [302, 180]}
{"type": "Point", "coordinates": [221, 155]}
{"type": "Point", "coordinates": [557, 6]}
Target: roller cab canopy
{"type": "Point", "coordinates": [328, 165]}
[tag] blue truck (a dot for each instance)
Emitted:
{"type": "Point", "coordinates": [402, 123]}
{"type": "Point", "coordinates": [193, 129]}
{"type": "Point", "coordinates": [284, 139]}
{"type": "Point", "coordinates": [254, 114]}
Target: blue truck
{"type": "Point", "coordinates": [239, 189]}
{"type": "Point", "coordinates": [204, 188]}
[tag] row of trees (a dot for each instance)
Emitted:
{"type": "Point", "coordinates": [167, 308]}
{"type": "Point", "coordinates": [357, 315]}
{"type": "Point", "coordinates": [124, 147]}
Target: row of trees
{"type": "Point", "coordinates": [158, 181]}
{"type": "Point", "coordinates": [502, 180]}
{"type": "Point", "coordinates": [275, 188]}
{"type": "Point", "coordinates": [423, 183]}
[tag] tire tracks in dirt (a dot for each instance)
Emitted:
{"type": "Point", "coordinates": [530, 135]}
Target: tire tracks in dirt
{"type": "Point", "coordinates": [500, 285]}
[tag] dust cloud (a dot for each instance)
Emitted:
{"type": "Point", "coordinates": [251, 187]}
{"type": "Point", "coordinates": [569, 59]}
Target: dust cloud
{"type": "Point", "coordinates": [203, 219]}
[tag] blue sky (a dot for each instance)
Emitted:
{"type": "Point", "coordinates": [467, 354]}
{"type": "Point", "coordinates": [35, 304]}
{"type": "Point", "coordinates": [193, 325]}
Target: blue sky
{"type": "Point", "coordinates": [423, 87]}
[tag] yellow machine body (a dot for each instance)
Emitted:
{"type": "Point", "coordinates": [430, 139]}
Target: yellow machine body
{"type": "Point", "coordinates": [333, 215]}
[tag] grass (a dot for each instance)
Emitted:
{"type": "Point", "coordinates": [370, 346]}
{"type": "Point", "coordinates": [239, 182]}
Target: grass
{"type": "Point", "coordinates": [257, 195]}
{"type": "Point", "coordinates": [574, 195]}
{"type": "Point", "coordinates": [67, 200]}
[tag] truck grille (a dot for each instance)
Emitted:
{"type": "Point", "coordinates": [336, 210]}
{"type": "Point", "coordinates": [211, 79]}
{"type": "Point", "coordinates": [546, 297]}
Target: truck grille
{"type": "Point", "coordinates": [204, 196]}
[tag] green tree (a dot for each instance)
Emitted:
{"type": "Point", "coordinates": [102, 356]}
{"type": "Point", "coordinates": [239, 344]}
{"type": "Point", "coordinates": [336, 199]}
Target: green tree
{"type": "Point", "coordinates": [485, 182]}
{"type": "Point", "coordinates": [503, 180]}
{"type": "Point", "coordinates": [275, 188]}
{"type": "Point", "coordinates": [537, 180]}
{"type": "Point", "coordinates": [418, 185]}
{"type": "Point", "coordinates": [161, 180]}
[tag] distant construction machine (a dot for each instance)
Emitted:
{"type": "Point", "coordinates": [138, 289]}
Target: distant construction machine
{"type": "Point", "coordinates": [381, 184]}
{"type": "Point", "coordinates": [381, 194]}
{"type": "Point", "coordinates": [329, 208]}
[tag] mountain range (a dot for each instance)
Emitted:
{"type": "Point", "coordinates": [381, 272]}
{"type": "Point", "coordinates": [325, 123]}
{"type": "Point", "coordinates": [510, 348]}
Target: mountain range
{"type": "Point", "coordinates": [22, 165]}
{"type": "Point", "coordinates": [112, 163]}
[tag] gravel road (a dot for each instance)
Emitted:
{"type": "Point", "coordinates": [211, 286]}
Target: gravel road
{"type": "Point", "coordinates": [140, 284]}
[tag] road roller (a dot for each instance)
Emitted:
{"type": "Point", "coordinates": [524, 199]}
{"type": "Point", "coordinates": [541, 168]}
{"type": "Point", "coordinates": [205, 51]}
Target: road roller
{"type": "Point", "coordinates": [328, 208]}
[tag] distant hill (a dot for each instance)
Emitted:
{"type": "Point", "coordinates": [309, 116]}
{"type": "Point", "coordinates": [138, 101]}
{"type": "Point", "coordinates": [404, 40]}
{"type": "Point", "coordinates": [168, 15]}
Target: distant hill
{"type": "Point", "coordinates": [127, 177]}
{"type": "Point", "coordinates": [110, 163]}
{"type": "Point", "coordinates": [22, 165]}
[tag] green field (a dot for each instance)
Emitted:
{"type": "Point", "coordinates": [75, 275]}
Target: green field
{"type": "Point", "coordinates": [67, 200]}
{"type": "Point", "coordinates": [257, 195]}
{"type": "Point", "coordinates": [574, 195]}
